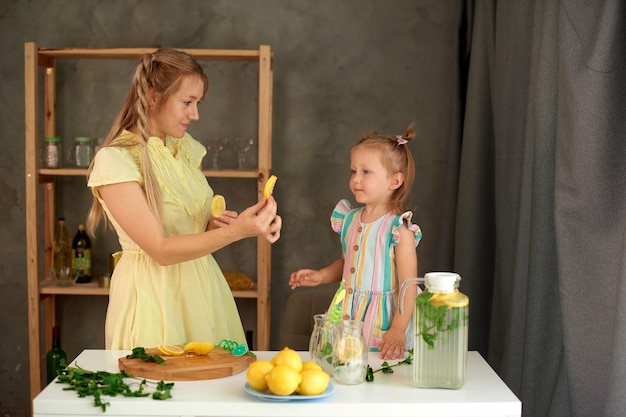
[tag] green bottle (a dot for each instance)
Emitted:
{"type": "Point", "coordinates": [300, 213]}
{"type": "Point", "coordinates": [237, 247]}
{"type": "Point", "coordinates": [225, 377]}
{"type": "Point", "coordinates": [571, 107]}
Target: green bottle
{"type": "Point", "coordinates": [56, 359]}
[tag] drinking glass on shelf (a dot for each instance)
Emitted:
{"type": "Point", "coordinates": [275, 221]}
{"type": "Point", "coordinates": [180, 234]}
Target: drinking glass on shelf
{"type": "Point", "coordinates": [242, 145]}
{"type": "Point", "coordinates": [214, 146]}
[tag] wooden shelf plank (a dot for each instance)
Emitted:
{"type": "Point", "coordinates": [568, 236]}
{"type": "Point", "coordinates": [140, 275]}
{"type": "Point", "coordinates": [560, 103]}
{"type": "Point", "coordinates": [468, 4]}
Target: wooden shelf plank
{"type": "Point", "coordinates": [130, 53]}
{"type": "Point", "coordinates": [49, 287]}
{"type": "Point", "coordinates": [81, 172]}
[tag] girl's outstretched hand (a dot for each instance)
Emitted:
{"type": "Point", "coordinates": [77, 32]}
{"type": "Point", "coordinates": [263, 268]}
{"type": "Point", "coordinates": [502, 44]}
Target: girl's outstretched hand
{"type": "Point", "coordinates": [305, 278]}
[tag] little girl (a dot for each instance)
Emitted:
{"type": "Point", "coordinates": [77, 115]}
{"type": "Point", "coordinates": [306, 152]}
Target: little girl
{"type": "Point", "coordinates": [378, 242]}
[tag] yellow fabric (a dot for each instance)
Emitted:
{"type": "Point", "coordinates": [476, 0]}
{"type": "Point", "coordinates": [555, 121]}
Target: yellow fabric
{"type": "Point", "coordinates": [151, 304]}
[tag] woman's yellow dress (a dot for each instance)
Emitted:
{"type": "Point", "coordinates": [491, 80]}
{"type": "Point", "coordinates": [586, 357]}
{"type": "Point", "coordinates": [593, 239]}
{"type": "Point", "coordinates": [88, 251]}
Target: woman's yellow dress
{"type": "Point", "coordinates": [151, 304]}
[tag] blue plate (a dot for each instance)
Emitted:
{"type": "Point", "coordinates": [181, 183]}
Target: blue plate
{"type": "Point", "coordinates": [267, 395]}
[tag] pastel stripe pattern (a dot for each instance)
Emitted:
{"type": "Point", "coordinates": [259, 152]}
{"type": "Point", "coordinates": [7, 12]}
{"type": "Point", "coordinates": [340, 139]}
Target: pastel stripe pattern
{"type": "Point", "coordinates": [369, 268]}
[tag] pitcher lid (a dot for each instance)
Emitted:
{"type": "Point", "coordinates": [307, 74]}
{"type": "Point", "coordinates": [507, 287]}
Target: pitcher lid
{"type": "Point", "coordinates": [442, 282]}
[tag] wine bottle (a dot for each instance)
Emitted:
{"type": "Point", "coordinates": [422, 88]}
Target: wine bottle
{"type": "Point", "coordinates": [81, 255]}
{"type": "Point", "coordinates": [56, 358]}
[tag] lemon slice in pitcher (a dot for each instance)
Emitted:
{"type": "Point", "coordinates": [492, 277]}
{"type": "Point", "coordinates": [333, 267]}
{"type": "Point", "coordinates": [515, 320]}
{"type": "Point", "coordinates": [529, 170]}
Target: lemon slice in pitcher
{"type": "Point", "coordinates": [455, 299]}
{"type": "Point", "coordinates": [218, 205]}
{"type": "Point", "coordinates": [269, 187]}
{"type": "Point", "coordinates": [349, 348]}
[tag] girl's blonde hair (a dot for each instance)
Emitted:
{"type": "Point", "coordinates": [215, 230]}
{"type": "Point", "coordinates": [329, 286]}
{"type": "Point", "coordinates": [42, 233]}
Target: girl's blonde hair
{"type": "Point", "coordinates": [395, 157]}
{"type": "Point", "coordinates": [163, 71]}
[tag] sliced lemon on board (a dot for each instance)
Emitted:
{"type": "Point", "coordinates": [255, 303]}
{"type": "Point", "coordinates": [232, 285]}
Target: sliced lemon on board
{"type": "Point", "coordinates": [269, 187]}
{"type": "Point", "coordinates": [218, 205]}
{"type": "Point", "coordinates": [348, 348]}
{"type": "Point", "coordinates": [170, 350]}
{"type": "Point", "coordinates": [199, 348]}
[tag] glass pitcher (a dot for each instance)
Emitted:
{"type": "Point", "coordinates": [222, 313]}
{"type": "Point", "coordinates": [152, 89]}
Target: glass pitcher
{"type": "Point", "coordinates": [440, 321]}
{"type": "Point", "coordinates": [349, 355]}
{"type": "Point", "coordinates": [320, 345]}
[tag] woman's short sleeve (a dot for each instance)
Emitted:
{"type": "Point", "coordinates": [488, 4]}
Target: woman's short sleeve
{"type": "Point", "coordinates": [114, 165]}
{"type": "Point", "coordinates": [399, 220]}
{"type": "Point", "coordinates": [339, 214]}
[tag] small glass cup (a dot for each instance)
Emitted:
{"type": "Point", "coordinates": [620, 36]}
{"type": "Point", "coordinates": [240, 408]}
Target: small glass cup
{"type": "Point", "coordinates": [214, 147]}
{"type": "Point", "coordinates": [242, 146]}
{"type": "Point", "coordinates": [349, 352]}
{"type": "Point", "coordinates": [64, 277]}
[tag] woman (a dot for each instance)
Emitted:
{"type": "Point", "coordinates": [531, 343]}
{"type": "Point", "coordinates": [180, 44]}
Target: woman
{"type": "Point", "coordinates": [148, 185]}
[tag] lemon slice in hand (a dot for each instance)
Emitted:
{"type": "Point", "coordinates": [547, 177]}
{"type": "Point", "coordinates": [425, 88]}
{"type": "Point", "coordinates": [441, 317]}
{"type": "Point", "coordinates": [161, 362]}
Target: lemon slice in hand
{"type": "Point", "coordinates": [349, 348]}
{"type": "Point", "coordinates": [269, 187]}
{"type": "Point", "coordinates": [170, 350]}
{"type": "Point", "coordinates": [218, 205]}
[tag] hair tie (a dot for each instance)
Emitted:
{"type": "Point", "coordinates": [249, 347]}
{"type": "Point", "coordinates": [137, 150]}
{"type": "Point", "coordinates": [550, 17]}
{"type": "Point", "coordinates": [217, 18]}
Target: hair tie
{"type": "Point", "coordinates": [400, 140]}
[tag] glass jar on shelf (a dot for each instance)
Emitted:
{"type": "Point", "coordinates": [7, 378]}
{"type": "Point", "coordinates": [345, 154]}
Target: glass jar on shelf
{"type": "Point", "coordinates": [51, 152]}
{"type": "Point", "coordinates": [82, 152]}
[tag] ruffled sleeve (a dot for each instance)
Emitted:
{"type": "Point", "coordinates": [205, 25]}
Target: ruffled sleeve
{"type": "Point", "coordinates": [113, 165]}
{"type": "Point", "coordinates": [339, 214]}
{"type": "Point", "coordinates": [398, 221]}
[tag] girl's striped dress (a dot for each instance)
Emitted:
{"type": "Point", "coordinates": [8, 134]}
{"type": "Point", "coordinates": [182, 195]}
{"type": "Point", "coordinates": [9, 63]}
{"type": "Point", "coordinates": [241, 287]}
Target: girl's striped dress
{"type": "Point", "coordinates": [369, 270]}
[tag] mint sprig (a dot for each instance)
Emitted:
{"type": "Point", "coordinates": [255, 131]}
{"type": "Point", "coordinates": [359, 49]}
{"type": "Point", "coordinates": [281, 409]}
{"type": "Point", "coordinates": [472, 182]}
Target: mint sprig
{"type": "Point", "coordinates": [386, 368]}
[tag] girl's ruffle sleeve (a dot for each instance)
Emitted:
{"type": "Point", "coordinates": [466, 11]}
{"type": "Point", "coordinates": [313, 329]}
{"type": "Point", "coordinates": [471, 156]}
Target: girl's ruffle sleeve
{"type": "Point", "coordinates": [339, 214]}
{"type": "Point", "coordinates": [113, 165]}
{"type": "Point", "coordinates": [399, 221]}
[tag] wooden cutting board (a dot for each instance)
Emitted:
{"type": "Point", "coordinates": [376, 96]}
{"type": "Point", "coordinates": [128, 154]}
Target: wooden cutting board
{"type": "Point", "coordinates": [218, 363]}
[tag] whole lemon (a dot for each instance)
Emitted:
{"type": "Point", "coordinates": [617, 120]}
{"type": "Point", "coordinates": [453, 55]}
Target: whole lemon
{"type": "Point", "coordinates": [310, 365]}
{"type": "Point", "coordinates": [255, 375]}
{"type": "Point", "coordinates": [314, 382]}
{"type": "Point", "coordinates": [289, 357]}
{"type": "Point", "coordinates": [283, 380]}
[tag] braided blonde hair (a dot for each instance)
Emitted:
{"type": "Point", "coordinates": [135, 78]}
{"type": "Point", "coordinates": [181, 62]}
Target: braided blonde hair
{"type": "Point", "coordinates": [395, 157]}
{"type": "Point", "coordinates": [162, 71]}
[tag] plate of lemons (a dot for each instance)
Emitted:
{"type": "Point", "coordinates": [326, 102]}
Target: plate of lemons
{"type": "Point", "coordinates": [287, 378]}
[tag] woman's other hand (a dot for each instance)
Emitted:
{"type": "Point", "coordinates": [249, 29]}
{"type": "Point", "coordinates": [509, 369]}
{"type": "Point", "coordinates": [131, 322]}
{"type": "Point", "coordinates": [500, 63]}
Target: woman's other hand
{"type": "Point", "coordinates": [227, 217]}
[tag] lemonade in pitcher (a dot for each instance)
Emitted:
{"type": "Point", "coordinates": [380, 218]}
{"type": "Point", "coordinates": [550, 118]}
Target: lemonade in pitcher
{"type": "Point", "coordinates": [440, 319]}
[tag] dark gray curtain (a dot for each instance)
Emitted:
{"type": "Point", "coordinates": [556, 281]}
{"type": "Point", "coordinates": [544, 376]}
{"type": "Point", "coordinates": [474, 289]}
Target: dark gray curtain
{"type": "Point", "coordinates": [541, 209]}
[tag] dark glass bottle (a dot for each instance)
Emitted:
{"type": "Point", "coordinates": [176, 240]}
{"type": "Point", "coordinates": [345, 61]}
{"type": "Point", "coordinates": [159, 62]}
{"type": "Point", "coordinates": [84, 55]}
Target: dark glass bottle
{"type": "Point", "coordinates": [81, 255]}
{"type": "Point", "coordinates": [56, 358]}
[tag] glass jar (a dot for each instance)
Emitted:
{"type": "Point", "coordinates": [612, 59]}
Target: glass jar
{"type": "Point", "coordinates": [349, 355]}
{"type": "Point", "coordinates": [441, 333]}
{"type": "Point", "coordinates": [51, 152]}
{"type": "Point", "coordinates": [320, 345]}
{"type": "Point", "coordinates": [82, 152]}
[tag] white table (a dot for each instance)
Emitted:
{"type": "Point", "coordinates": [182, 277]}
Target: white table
{"type": "Point", "coordinates": [484, 395]}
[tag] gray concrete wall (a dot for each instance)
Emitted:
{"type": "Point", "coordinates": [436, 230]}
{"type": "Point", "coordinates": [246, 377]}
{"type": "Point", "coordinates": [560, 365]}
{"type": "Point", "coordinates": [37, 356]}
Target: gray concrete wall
{"type": "Point", "coordinates": [341, 67]}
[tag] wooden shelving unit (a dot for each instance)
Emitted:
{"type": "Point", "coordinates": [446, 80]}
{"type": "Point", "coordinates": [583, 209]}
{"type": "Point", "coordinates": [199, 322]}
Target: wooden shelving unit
{"type": "Point", "coordinates": [40, 185]}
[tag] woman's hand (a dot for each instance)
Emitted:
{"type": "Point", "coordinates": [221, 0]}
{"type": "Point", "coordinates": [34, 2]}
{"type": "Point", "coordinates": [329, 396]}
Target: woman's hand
{"type": "Point", "coordinates": [259, 220]}
{"type": "Point", "coordinates": [228, 217]}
